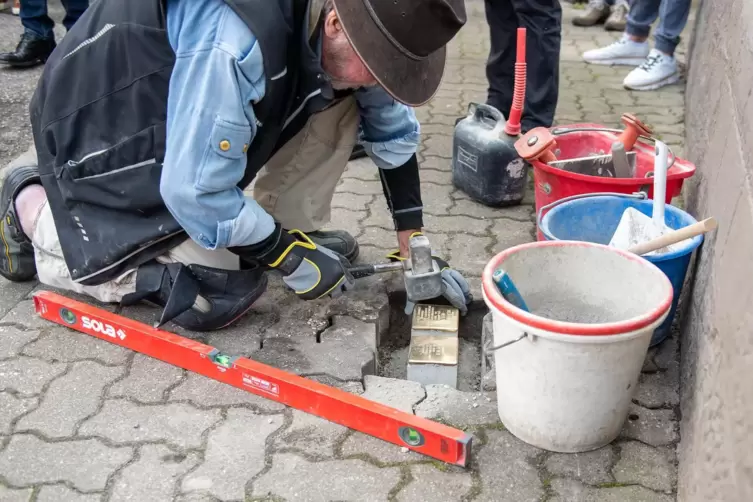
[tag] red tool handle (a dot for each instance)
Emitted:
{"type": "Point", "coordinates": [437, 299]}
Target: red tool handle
{"type": "Point", "coordinates": [512, 127]}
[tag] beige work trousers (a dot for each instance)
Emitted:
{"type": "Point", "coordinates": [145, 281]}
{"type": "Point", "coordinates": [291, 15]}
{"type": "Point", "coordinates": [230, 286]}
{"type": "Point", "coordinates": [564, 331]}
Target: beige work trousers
{"type": "Point", "coordinates": [296, 187]}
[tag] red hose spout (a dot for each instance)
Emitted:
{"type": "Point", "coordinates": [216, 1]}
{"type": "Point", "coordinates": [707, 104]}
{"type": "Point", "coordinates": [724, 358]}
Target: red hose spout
{"type": "Point", "coordinates": [512, 127]}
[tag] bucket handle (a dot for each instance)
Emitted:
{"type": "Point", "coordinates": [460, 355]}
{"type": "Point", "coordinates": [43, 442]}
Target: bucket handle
{"type": "Point", "coordinates": [540, 215]}
{"type": "Point", "coordinates": [486, 348]}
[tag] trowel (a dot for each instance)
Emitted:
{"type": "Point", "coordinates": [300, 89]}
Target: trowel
{"type": "Point", "coordinates": [617, 164]}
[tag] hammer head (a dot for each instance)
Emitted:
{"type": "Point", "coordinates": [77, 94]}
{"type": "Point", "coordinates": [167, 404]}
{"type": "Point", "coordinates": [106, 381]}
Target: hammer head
{"type": "Point", "coordinates": [423, 279]}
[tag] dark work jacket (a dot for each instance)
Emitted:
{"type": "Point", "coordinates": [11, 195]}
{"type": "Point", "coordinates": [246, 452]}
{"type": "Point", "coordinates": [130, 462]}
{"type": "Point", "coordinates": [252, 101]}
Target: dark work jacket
{"type": "Point", "coordinates": [98, 116]}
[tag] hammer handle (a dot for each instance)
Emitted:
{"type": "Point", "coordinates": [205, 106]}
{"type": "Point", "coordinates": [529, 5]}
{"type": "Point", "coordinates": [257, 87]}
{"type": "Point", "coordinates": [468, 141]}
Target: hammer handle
{"type": "Point", "coordinates": [676, 236]}
{"type": "Point", "coordinates": [361, 271]}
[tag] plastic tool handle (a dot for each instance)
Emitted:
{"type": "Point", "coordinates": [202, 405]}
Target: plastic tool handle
{"type": "Point", "coordinates": [660, 183]}
{"type": "Point", "coordinates": [675, 236]}
{"type": "Point", "coordinates": [508, 290]}
{"type": "Point", "coordinates": [512, 127]}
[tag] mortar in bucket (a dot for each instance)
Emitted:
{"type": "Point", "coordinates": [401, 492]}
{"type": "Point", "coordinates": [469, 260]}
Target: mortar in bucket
{"type": "Point", "coordinates": [594, 218]}
{"type": "Point", "coordinates": [567, 370]}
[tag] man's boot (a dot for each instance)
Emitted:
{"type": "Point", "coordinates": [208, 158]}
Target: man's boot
{"type": "Point", "coordinates": [617, 19]}
{"type": "Point", "coordinates": [17, 253]}
{"type": "Point", "coordinates": [339, 241]}
{"type": "Point", "coordinates": [196, 297]}
{"type": "Point", "coordinates": [30, 51]}
{"type": "Point", "coordinates": [596, 13]}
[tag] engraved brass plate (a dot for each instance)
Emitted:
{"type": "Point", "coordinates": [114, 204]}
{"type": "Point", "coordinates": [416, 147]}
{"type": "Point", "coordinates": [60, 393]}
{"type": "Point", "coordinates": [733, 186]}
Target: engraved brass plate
{"type": "Point", "coordinates": [432, 349]}
{"type": "Point", "coordinates": [436, 317]}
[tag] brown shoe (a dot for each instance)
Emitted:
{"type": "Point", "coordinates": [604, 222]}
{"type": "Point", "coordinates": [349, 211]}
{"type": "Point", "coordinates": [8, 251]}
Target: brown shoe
{"type": "Point", "coordinates": [594, 14]}
{"type": "Point", "coordinates": [617, 19]}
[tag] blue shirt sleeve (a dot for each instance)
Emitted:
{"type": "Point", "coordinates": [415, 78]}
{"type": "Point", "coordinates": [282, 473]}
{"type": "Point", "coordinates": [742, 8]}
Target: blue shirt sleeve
{"type": "Point", "coordinates": [389, 130]}
{"type": "Point", "coordinates": [218, 74]}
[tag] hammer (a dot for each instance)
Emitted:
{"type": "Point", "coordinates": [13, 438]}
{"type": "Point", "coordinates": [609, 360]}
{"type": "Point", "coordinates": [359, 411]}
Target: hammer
{"type": "Point", "coordinates": [421, 273]}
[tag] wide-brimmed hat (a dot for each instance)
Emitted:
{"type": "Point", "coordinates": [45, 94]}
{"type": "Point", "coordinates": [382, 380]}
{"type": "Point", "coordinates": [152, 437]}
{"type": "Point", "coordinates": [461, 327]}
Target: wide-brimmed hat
{"type": "Point", "coordinates": [403, 42]}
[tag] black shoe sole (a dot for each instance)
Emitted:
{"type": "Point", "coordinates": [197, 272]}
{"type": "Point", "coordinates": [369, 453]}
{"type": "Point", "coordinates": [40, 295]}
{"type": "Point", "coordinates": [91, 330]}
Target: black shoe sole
{"type": "Point", "coordinates": [24, 64]}
{"type": "Point", "coordinates": [17, 179]}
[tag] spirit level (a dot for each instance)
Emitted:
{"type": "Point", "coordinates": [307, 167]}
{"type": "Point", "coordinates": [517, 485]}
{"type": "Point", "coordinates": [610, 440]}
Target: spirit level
{"type": "Point", "coordinates": [350, 410]}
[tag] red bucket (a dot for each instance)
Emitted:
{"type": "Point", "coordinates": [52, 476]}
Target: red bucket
{"type": "Point", "coordinates": [552, 184]}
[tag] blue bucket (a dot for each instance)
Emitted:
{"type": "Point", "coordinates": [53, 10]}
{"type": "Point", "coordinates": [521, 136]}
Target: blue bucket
{"type": "Point", "coordinates": [595, 217]}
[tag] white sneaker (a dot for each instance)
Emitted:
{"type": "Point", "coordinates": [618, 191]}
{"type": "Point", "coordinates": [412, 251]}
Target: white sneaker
{"type": "Point", "coordinates": [656, 71]}
{"type": "Point", "coordinates": [624, 51]}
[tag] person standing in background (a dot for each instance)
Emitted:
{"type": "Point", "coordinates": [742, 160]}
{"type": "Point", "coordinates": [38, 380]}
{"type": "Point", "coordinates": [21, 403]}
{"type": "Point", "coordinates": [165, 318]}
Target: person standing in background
{"type": "Point", "coordinates": [613, 13]}
{"type": "Point", "coordinates": [38, 40]}
{"type": "Point", "coordinates": [542, 20]}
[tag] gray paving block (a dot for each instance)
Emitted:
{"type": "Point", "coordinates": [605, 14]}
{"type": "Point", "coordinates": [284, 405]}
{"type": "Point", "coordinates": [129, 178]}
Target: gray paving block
{"type": "Point", "coordinates": [13, 292]}
{"type": "Point", "coordinates": [311, 435]}
{"type": "Point", "coordinates": [651, 467]}
{"type": "Point", "coordinates": [147, 380]}
{"type": "Point", "coordinates": [667, 354]}
{"type": "Point", "coordinates": [204, 391]}
{"type": "Point", "coordinates": [357, 445]}
{"type": "Point", "coordinates": [367, 302]}
{"type": "Point", "coordinates": [26, 375]}
{"type": "Point", "coordinates": [330, 480]}
{"type": "Point", "coordinates": [354, 387]}
{"type": "Point", "coordinates": [15, 495]}
{"type": "Point", "coordinates": [66, 345]}
{"type": "Point", "coordinates": [123, 421]}
{"type": "Point", "coordinates": [154, 476]}
{"type": "Point", "coordinates": [23, 313]}
{"type": "Point", "coordinates": [86, 464]}
{"type": "Point", "coordinates": [70, 399]}
{"type": "Point", "coordinates": [61, 493]}
{"type": "Point", "coordinates": [457, 408]}
{"type": "Point", "coordinates": [430, 484]}
{"type": "Point", "coordinates": [507, 470]}
{"type": "Point", "coordinates": [234, 454]}
{"type": "Point", "coordinates": [569, 490]}
{"type": "Point", "coordinates": [343, 352]}
{"type": "Point", "coordinates": [656, 390]}
{"type": "Point", "coordinates": [654, 427]}
{"type": "Point", "coordinates": [14, 339]}
{"type": "Point", "coordinates": [400, 394]}
{"type": "Point", "coordinates": [11, 407]}
{"type": "Point", "coordinates": [592, 468]}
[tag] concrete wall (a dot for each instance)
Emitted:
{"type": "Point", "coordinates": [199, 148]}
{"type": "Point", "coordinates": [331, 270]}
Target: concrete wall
{"type": "Point", "coordinates": [716, 450]}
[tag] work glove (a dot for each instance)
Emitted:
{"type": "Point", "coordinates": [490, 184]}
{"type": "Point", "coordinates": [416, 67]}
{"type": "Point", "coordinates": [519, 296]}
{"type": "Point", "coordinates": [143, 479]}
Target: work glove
{"type": "Point", "coordinates": [454, 286]}
{"type": "Point", "coordinates": [311, 271]}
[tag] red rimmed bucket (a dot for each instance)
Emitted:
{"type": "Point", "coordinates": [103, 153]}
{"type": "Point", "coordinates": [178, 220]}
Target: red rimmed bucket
{"type": "Point", "coordinates": [552, 184]}
{"type": "Point", "coordinates": [567, 370]}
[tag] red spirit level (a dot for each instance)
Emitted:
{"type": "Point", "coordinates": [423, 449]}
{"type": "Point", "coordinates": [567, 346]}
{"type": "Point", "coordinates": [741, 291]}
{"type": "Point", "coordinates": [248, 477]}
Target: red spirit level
{"type": "Point", "coordinates": [419, 434]}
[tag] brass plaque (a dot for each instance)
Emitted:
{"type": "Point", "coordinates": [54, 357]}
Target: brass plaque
{"type": "Point", "coordinates": [431, 349]}
{"type": "Point", "coordinates": [436, 317]}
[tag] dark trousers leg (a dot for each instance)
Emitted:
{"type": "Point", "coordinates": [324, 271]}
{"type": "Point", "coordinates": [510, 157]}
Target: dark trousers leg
{"type": "Point", "coordinates": [35, 19]}
{"type": "Point", "coordinates": [73, 11]}
{"type": "Point", "coordinates": [543, 22]}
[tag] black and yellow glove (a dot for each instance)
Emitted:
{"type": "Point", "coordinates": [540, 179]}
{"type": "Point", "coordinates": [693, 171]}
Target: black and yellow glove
{"type": "Point", "coordinates": [311, 271]}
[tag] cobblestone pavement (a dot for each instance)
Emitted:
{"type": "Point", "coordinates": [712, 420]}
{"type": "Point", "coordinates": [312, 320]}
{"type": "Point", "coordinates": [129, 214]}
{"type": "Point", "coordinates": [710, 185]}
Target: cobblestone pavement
{"type": "Point", "coordinates": [84, 420]}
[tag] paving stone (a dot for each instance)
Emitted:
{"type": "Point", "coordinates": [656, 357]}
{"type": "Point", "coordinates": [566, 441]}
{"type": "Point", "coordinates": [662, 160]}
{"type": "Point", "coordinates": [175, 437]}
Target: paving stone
{"type": "Point", "coordinates": [457, 408]}
{"type": "Point", "coordinates": [569, 490]}
{"type": "Point", "coordinates": [458, 224]}
{"type": "Point", "coordinates": [123, 421]}
{"type": "Point", "coordinates": [592, 468]}
{"type": "Point", "coordinates": [69, 399]}
{"type": "Point", "coordinates": [654, 427]}
{"type": "Point", "coordinates": [14, 339]}
{"type": "Point", "coordinates": [379, 216]}
{"type": "Point", "coordinates": [666, 354]}
{"type": "Point", "coordinates": [507, 470]}
{"type": "Point", "coordinates": [66, 345]}
{"type": "Point", "coordinates": [357, 445]}
{"type": "Point", "coordinates": [147, 380]}
{"type": "Point", "coordinates": [15, 495]}
{"type": "Point", "coordinates": [26, 375]}
{"type": "Point", "coordinates": [86, 464]}
{"type": "Point", "coordinates": [331, 480]}
{"type": "Point", "coordinates": [310, 435]}
{"type": "Point", "coordinates": [25, 314]}
{"type": "Point", "coordinates": [468, 253]}
{"type": "Point", "coordinates": [13, 292]}
{"type": "Point", "coordinates": [360, 187]}
{"type": "Point", "coordinates": [11, 407]}
{"type": "Point", "coordinates": [464, 206]}
{"type": "Point", "coordinates": [367, 302]}
{"type": "Point", "coordinates": [204, 392]}
{"type": "Point", "coordinates": [428, 482]}
{"type": "Point", "coordinates": [347, 200]}
{"type": "Point", "coordinates": [354, 387]}
{"type": "Point", "coordinates": [400, 394]}
{"type": "Point", "coordinates": [436, 176]}
{"type": "Point", "coordinates": [153, 477]}
{"type": "Point", "coordinates": [234, 454]}
{"type": "Point", "coordinates": [509, 233]}
{"type": "Point", "coordinates": [436, 199]}
{"type": "Point", "coordinates": [439, 144]}
{"type": "Point", "coordinates": [343, 352]}
{"type": "Point", "coordinates": [61, 493]}
{"type": "Point", "coordinates": [650, 467]}
{"type": "Point", "coordinates": [661, 389]}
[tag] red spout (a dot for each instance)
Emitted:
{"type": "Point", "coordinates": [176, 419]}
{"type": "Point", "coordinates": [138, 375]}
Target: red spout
{"type": "Point", "coordinates": [512, 127]}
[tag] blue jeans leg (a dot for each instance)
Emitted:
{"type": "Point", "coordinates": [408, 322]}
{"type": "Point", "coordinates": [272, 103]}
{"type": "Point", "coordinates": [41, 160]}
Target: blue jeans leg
{"type": "Point", "coordinates": [673, 16]}
{"type": "Point", "coordinates": [34, 18]}
{"type": "Point", "coordinates": [73, 11]}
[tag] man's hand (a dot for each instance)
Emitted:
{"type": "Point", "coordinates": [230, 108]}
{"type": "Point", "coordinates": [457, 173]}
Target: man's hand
{"type": "Point", "coordinates": [454, 286]}
{"type": "Point", "coordinates": [311, 271]}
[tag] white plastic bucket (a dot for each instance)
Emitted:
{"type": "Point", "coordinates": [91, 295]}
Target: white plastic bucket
{"type": "Point", "coordinates": [567, 371]}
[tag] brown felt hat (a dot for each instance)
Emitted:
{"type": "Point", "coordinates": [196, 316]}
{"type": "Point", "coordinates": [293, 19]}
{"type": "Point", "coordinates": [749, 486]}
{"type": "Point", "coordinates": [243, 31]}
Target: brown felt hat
{"type": "Point", "coordinates": [403, 42]}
